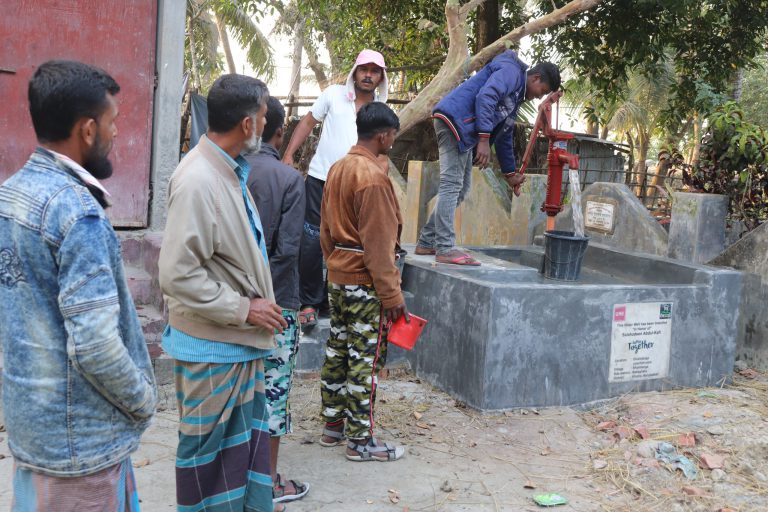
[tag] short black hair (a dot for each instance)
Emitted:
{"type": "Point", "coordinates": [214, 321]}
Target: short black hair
{"type": "Point", "coordinates": [550, 74]}
{"type": "Point", "coordinates": [275, 118]}
{"type": "Point", "coordinates": [233, 97]}
{"type": "Point", "coordinates": [375, 117]}
{"type": "Point", "coordinates": [61, 92]}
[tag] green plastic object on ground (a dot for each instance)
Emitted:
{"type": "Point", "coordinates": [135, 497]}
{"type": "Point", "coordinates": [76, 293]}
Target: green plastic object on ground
{"type": "Point", "coordinates": [549, 500]}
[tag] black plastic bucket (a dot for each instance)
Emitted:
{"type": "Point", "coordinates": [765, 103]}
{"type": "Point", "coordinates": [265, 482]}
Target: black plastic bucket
{"type": "Point", "coordinates": [400, 260]}
{"type": "Point", "coordinates": [563, 253]}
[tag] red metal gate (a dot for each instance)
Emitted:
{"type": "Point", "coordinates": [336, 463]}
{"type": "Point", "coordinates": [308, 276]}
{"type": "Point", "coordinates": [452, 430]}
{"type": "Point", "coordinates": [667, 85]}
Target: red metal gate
{"type": "Point", "coordinates": [116, 36]}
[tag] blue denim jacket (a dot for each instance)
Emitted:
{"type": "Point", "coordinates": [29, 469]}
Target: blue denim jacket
{"type": "Point", "coordinates": [78, 388]}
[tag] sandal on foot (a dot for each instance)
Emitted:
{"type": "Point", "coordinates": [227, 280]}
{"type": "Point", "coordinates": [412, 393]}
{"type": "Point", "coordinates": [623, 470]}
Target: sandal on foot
{"type": "Point", "coordinates": [374, 451]}
{"type": "Point", "coordinates": [461, 259]}
{"type": "Point", "coordinates": [308, 318]}
{"type": "Point", "coordinates": [338, 435]}
{"type": "Point", "coordinates": [278, 490]}
{"type": "Point", "coordinates": [422, 251]}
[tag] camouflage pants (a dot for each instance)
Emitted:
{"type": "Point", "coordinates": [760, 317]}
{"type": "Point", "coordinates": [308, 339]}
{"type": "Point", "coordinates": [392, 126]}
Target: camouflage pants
{"type": "Point", "coordinates": [354, 353]}
{"type": "Point", "coordinates": [278, 375]}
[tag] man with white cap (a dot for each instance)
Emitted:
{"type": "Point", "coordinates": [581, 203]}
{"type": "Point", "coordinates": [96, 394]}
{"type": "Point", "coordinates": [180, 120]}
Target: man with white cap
{"type": "Point", "coordinates": [336, 108]}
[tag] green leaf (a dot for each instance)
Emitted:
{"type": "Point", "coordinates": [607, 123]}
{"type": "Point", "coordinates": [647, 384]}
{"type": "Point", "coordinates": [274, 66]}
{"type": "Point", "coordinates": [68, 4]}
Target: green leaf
{"type": "Point", "coordinates": [743, 176]}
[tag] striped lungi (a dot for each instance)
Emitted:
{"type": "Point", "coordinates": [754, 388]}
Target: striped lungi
{"type": "Point", "coordinates": [113, 488]}
{"type": "Point", "coordinates": [222, 463]}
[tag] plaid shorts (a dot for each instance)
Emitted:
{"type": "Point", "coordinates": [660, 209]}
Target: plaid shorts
{"type": "Point", "coordinates": [278, 374]}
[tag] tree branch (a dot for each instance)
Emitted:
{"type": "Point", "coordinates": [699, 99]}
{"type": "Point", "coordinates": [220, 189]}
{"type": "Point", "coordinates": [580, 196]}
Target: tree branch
{"type": "Point", "coordinates": [419, 67]}
{"type": "Point", "coordinates": [469, 7]}
{"type": "Point", "coordinates": [457, 63]}
{"type": "Point", "coordinates": [314, 63]}
{"type": "Point", "coordinates": [548, 20]}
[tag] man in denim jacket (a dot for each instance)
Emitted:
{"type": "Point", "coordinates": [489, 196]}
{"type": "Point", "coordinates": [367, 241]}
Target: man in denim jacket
{"type": "Point", "coordinates": [78, 389]}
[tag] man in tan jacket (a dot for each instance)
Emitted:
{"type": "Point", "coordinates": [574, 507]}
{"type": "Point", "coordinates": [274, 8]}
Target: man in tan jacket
{"type": "Point", "coordinates": [222, 313]}
{"type": "Point", "coordinates": [359, 234]}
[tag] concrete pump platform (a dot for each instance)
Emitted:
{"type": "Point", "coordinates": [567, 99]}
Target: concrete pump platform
{"type": "Point", "coordinates": [502, 336]}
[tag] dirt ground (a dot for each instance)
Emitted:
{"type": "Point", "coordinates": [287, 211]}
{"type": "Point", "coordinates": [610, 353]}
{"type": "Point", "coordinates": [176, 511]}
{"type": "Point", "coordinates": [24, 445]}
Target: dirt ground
{"type": "Point", "coordinates": [460, 460]}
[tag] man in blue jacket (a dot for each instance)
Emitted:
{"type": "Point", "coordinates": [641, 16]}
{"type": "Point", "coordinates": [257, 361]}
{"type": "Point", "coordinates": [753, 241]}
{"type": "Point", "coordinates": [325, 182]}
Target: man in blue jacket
{"type": "Point", "coordinates": [478, 113]}
{"type": "Point", "coordinates": [78, 389]}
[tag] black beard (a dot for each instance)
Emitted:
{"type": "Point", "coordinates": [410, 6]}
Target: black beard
{"type": "Point", "coordinates": [359, 86]}
{"type": "Point", "coordinates": [97, 162]}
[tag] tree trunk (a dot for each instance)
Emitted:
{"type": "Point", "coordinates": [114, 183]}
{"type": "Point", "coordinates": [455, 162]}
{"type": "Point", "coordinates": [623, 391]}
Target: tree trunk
{"type": "Point", "coordinates": [487, 24]}
{"type": "Point", "coordinates": [335, 60]}
{"type": "Point", "coordinates": [631, 160]}
{"type": "Point", "coordinates": [640, 168]}
{"type": "Point", "coordinates": [298, 45]}
{"type": "Point", "coordinates": [458, 65]}
{"type": "Point", "coordinates": [662, 168]}
{"type": "Point", "coordinates": [593, 127]}
{"type": "Point", "coordinates": [737, 83]}
{"type": "Point", "coordinates": [224, 38]}
{"type": "Point", "coordinates": [314, 64]}
{"type": "Point", "coordinates": [673, 136]}
{"type": "Point", "coordinates": [696, 151]}
{"type": "Point", "coordinates": [196, 83]}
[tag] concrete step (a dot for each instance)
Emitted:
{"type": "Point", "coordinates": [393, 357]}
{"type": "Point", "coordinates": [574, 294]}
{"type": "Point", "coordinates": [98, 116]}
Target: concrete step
{"type": "Point", "coordinates": [143, 291]}
{"type": "Point", "coordinates": [140, 255]}
{"type": "Point", "coordinates": [312, 346]}
{"type": "Point", "coordinates": [151, 254]}
{"type": "Point", "coordinates": [152, 321]}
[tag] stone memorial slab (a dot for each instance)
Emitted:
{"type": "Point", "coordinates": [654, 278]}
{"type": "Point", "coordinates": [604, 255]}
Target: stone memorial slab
{"type": "Point", "coordinates": [615, 217]}
{"type": "Point", "coordinates": [600, 214]}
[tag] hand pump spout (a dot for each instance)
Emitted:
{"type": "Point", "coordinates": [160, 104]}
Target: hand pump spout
{"type": "Point", "coordinates": [557, 156]}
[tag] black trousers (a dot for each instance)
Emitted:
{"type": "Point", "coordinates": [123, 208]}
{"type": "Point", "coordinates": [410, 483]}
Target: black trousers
{"type": "Point", "coordinates": [312, 290]}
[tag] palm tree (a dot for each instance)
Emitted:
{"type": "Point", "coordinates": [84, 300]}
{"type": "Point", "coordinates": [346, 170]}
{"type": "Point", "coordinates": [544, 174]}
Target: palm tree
{"type": "Point", "coordinates": [209, 23]}
{"type": "Point", "coordinates": [636, 114]}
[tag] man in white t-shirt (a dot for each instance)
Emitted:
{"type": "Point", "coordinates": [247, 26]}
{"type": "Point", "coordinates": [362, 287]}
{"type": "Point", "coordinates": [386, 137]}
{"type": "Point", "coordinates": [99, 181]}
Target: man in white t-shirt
{"type": "Point", "coordinates": [336, 108]}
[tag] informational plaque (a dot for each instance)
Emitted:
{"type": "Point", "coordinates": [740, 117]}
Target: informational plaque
{"type": "Point", "coordinates": [600, 216]}
{"type": "Point", "coordinates": [640, 341]}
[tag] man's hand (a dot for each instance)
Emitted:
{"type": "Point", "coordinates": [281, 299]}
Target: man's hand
{"type": "Point", "coordinates": [514, 180]}
{"type": "Point", "coordinates": [393, 313]}
{"type": "Point", "coordinates": [483, 152]}
{"type": "Point", "coordinates": [265, 313]}
{"type": "Point", "coordinates": [288, 159]}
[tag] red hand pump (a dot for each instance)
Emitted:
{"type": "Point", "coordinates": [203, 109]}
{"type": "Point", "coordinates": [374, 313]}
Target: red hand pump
{"type": "Point", "coordinates": [557, 156]}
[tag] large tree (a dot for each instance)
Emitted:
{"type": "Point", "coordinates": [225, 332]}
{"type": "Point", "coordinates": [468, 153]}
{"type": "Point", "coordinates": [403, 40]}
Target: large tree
{"type": "Point", "coordinates": [707, 40]}
{"type": "Point", "coordinates": [459, 63]}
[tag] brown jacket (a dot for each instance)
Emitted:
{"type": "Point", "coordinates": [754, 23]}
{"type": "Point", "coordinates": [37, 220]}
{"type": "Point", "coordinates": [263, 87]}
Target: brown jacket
{"type": "Point", "coordinates": [210, 264]}
{"type": "Point", "coordinates": [360, 209]}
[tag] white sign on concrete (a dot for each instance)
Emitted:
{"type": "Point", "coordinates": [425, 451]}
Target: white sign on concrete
{"type": "Point", "coordinates": [599, 216]}
{"type": "Point", "coordinates": [640, 341]}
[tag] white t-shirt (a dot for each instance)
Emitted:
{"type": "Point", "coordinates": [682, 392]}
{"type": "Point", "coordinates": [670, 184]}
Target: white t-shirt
{"type": "Point", "coordinates": [337, 113]}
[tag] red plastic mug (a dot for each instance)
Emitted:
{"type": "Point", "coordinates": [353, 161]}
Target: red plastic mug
{"type": "Point", "coordinates": [405, 334]}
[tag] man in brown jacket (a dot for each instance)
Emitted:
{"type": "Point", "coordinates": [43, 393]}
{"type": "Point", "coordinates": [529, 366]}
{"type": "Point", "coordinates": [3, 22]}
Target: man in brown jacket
{"type": "Point", "coordinates": [359, 234]}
